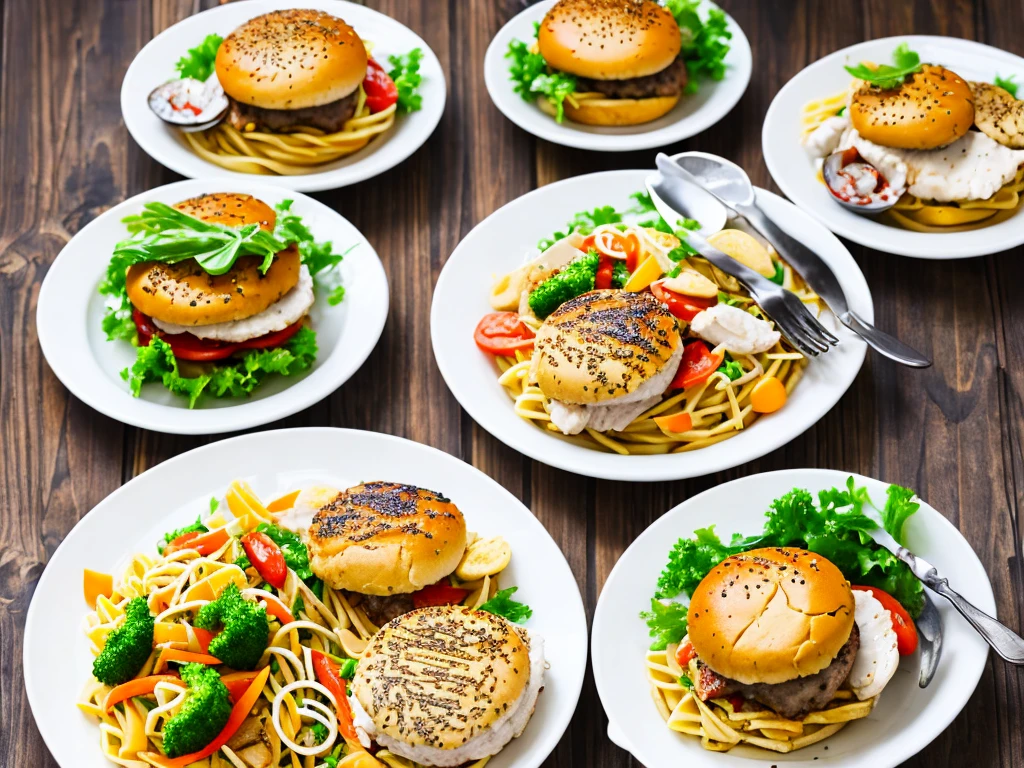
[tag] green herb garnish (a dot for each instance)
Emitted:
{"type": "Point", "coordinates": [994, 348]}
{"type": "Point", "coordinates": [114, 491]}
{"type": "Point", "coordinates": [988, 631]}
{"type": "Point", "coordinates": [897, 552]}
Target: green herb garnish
{"type": "Point", "coordinates": [1008, 84]}
{"type": "Point", "coordinates": [666, 622]}
{"type": "Point", "coordinates": [502, 604]}
{"type": "Point", "coordinates": [405, 71]}
{"type": "Point", "coordinates": [532, 78]}
{"type": "Point", "coordinates": [905, 62]}
{"type": "Point", "coordinates": [199, 61]}
{"type": "Point", "coordinates": [704, 47]}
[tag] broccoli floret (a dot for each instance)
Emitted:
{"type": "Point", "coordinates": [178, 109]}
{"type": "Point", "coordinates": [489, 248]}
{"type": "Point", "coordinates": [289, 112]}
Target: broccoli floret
{"type": "Point", "coordinates": [244, 637]}
{"type": "Point", "coordinates": [620, 274]}
{"type": "Point", "coordinates": [576, 278]}
{"type": "Point", "coordinates": [204, 714]}
{"type": "Point", "coordinates": [127, 647]}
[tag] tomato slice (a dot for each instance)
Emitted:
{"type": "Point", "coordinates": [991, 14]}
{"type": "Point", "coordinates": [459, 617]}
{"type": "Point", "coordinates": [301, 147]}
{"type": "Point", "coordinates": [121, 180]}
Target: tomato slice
{"type": "Point", "coordinates": [697, 364]}
{"type": "Point", "coordinates": [502, 333]}
{"type": "Point", "coordinates": [380, 89]}
{"type": "Point", "coordinates": [684, 307]}
{"type": "Point", "coordinates": [685, 654]}
{"type": "Point", "coordinates": [266, 557]}
{"type": "Point", "coordinates": [186, 346]}
{"type": "Point", "coordinates": [605, 269]}
{"type": "Point", "coordinates": [441, 593]}
{"type": "Point", "coordinates": [902, 624]}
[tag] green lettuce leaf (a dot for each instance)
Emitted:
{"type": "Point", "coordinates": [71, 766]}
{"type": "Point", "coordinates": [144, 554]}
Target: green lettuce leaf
{"type": "Point", "coordinates": [405, 71]}
{"type": "Point", "coordinates": [666, 623]}
{"type": "Point", "coordinates": [199, 61]}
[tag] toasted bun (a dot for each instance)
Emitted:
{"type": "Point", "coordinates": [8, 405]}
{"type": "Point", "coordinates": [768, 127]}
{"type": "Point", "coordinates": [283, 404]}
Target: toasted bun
{"type": "Point", "coordinates": [291, 60]}
{"type": "Point", "coordinates": [999, 114]}
{"type": "Point", "coordinates": [933, 108]}
{"type": "Point", "coordinates": [603, 345]}
{"type": "Point", "coordinates": [185, 294]}
{"type": "Point", "coordinates": [614, 111]}
{"type": "Point", "coordinates": [609, 39]}
{"type": "Point", "coordinates": [437, 677]}
{"type": "Point", "coordinates": [386, 538]}
{"type": "Point", "coordinates": [771, 615]}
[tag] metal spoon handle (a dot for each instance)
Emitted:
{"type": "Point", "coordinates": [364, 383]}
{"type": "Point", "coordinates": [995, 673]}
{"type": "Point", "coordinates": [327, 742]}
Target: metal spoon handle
{"type": "Point", "coordinates": [821, 277]}
{"type": "Point", "coordinates": [1004, 641]}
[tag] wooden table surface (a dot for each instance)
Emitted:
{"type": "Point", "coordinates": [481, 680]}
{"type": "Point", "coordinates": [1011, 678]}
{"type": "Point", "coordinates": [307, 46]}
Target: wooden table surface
{"type": "Point", "coordinates": [953, 432]}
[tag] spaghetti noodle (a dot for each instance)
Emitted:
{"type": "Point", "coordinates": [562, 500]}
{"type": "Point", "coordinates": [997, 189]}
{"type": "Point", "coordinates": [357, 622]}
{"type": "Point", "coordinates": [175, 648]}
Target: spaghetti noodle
{"type": "Point", "coordinates": [293, 720]}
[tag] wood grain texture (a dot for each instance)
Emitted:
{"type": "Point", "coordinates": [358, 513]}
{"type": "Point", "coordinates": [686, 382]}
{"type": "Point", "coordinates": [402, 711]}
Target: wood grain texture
{"type": "Point", "coordinates": [955, 432]}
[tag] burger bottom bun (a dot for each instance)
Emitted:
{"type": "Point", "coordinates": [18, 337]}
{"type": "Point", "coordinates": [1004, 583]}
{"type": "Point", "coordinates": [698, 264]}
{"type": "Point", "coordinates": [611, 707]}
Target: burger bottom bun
{"type": "Point", "coordinates": [614, 111]}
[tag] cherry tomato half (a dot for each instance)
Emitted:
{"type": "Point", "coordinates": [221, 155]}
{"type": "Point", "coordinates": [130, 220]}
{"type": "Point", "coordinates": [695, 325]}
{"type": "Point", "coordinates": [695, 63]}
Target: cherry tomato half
{"type": "Point", "coordinates": [697, 364]}
{"type": "Point", "coordinates": [902, 624]}
{"type": "Point", "coordinates": [684, 307]}
{"type": "Point", "coordinates": [605, 270]}
{"type": "Point", "coordinates": [380, 89]}
{"type": "Point", "coordinates": [684, 654]}
{"type": "Point", "coordinates": [266, 557]}
{"type": "Point", "coordinates": [502, 333]}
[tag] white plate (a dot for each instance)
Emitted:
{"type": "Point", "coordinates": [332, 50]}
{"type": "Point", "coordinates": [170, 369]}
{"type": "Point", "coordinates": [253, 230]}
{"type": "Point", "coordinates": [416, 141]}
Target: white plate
{"type": "Point", "coordinates": [71, 308]}
{"type": "Point", "coordinates": [155, 65]}
{"type": "Point", "coordinates": [496, 246]}
{"type": "Point", "coordinates": [690, 116]}
{"type": "Point", "coordinates": [906, 719]}
{"type": "Point", "coordinates": [794, 171]}
{"type": "Point", "coordinates": [132, 518]}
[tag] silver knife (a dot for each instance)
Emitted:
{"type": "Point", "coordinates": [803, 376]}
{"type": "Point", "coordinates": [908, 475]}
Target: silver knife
{"type": "Point", "coordinates": [929, 634]}
{"type": "Point", "coordinates": [1004, 641]}
{"type": "Point", "coordinates": [812, 268]}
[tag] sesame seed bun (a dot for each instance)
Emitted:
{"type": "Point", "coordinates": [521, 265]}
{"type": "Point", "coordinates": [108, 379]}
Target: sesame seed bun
{"type": "Point", "coordinates": [609, 39]}
{"type": "Point", "coordinates": [771, 615]}
{"type": "Point", "coordinates": [291, 60]}
{"type": "Point", "coordinates": [603, 345]}
{"type": "Point", "coordinates": [437, 677]}
{"type": "Point", "coordinates": [613, 111]}
{"type": "Point", "coordinates": [933, 108]}
{"type": "Point", "coordinates": [386, 538]}
{"type": "Point", "coordinates": [185, 294]}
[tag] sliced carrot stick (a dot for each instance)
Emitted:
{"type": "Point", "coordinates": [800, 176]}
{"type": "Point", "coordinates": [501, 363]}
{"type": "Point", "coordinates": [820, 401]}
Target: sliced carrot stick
{"type": "Point", "coordinates": [95, 584]}
{"type": "Point", "coordinates": [676, 423]}
{"type": "Point", "coordinates": [238, 714]}
{"type": "Point", "coordinates": [184, 657]}
{"type": "Point", "coordinates": [141, 686]}
{"type": "Point", "coordinates": [238, 683]}
{"type": "Point", "coordinates": [276, 607]}
{"type": "Point", "coordinates": [167, 632]}
{"type": "Point", "coordinates": [285, 502]}
{"type": "Point", "coordinates": [204, 544]}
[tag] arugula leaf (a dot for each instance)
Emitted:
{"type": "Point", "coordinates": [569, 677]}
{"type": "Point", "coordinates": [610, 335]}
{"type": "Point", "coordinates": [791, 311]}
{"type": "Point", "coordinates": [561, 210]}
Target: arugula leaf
{"type": "Point", "coordinates": [531, 77]}
{"type": "Point", "coordinates": [319, 258]}
{"type": "Point", "coordinates": [296, 555]}
{"type": "Point", "coordinates": [502, 604]}
{"type": "Point", "coordinates": [704, 47]}
{"type": "Point", "coordinates": [236, 377]}
{"type": "Point", "coordinates": [196, 527]}
{"type": "Point", "coordinates": [666, 623]}
{"type": "Point", "coordinates": [1008, 84]}
{"type": "Point", "coordinates": [885, 76]}
{"type": "Point", "coordinates": [405, 71]}
{"type": "Point", "coordinates": [199, 61]}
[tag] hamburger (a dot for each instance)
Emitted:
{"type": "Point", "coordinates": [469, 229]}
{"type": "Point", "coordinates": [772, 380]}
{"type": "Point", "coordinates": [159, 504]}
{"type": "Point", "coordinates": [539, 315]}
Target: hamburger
{"type": "Point", "coordinates": [444, 686]}
{"type": "Point", "coordinates": [775, 626]}
{"type": "Point", "coordinates": [384, 543]}
{"type": "Point", "coordinates": [290, 69]}
{"type": "Point", "coordinates": [628, 51]}
{"type": "Point", "coordinates": [208, 317]}
{"type": "Point", "coordinates": [605, 357]}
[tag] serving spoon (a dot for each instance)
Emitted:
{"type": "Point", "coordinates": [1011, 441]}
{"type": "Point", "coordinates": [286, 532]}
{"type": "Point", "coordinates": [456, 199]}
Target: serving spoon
{"type": "Point", "coordinates": [830, 171]}
{"type": "Point", "coordinates": [176, 101]}
{"type": "Point", "coordinates": [732, 187]}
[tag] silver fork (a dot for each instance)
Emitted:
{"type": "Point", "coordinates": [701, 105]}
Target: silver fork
{"type": "Point", "coordinates": [675, 198]}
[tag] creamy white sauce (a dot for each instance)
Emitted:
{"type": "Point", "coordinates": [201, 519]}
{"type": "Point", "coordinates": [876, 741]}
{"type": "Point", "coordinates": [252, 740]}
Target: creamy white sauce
{"type": "Point", "coordinates": [189, 101]}
{"type": "Point", "coordinates": [738, 331]}
{"type": "Point", "coordinates": [491, 741]}
{"type": "Point", "coordinates": [878, 656]}
{"type": "Point", "coordinates": [290, 308]}
{"type": "Point", "coordinates": [616, 414]}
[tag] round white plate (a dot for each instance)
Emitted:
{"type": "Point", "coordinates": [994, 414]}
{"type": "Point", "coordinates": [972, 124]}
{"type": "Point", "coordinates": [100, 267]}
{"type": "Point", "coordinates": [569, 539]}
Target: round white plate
{"type": "Point", "coordinates": [155, 65]}
{"type": "Point", "coordinates": [497, 245]}
{"type": "Point", "coordinates": [906, 718]}
{"type": "Point", "coordinates": [71, 308]}
{"type": "Point", "coordinates": [794, 171]}
{"type": "Point", "coordinates": [691, 115]}
{"type": "Point", "coordinates": [132, 518]}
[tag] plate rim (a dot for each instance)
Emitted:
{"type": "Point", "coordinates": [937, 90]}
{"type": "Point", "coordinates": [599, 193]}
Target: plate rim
{"type": "Point", "coordinates": [246, 413]}
{"type": "Point", "coordinates": [321, 181]}
{"type": "Point", "coordinates": [897, 241]}
{"type": "Point", "coordinates": [836, 477]}
{"type": "Point", "coordinates": [597, 464]}
{"type": "Point", "coordinates": [573, 601]}
{"type": "Point", "coordinates": [615, 142]}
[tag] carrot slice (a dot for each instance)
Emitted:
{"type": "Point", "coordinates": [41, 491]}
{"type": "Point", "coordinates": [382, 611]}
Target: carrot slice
{"type": "Point", "coordinates": [238, 683]}
{"type": "Point", "coordinates": [95, 584]}
{"type": "Point", "coordinates": [140, 686]}
{"type": "Point", "coordinates": [204, 544]}
{"type": "Point", "coordinates": [238, 714]}
{"type": "Point", "coordinates": [185, 657]}
{"type": "Point", "coordinates": [276, 607]}
{"type": "Point", "coordinates": [675, 423]}
{"type": "Point", "coordinates": [285, 502]}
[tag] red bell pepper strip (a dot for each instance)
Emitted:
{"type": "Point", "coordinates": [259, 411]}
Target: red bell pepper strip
{"type": "Point", "coordinates": [330, 678]}
{"type": "Point", "coordinates": [266, 557]}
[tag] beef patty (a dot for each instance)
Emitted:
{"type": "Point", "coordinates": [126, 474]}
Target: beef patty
{"type": "Point", "coordinates": [329, 118]}
{"type": "Point", "coordinates": [792, 699]}
{"type": "Point", "coordinates": [669, 82]}
{"type": "Point", "coordinates": [382, 609]}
